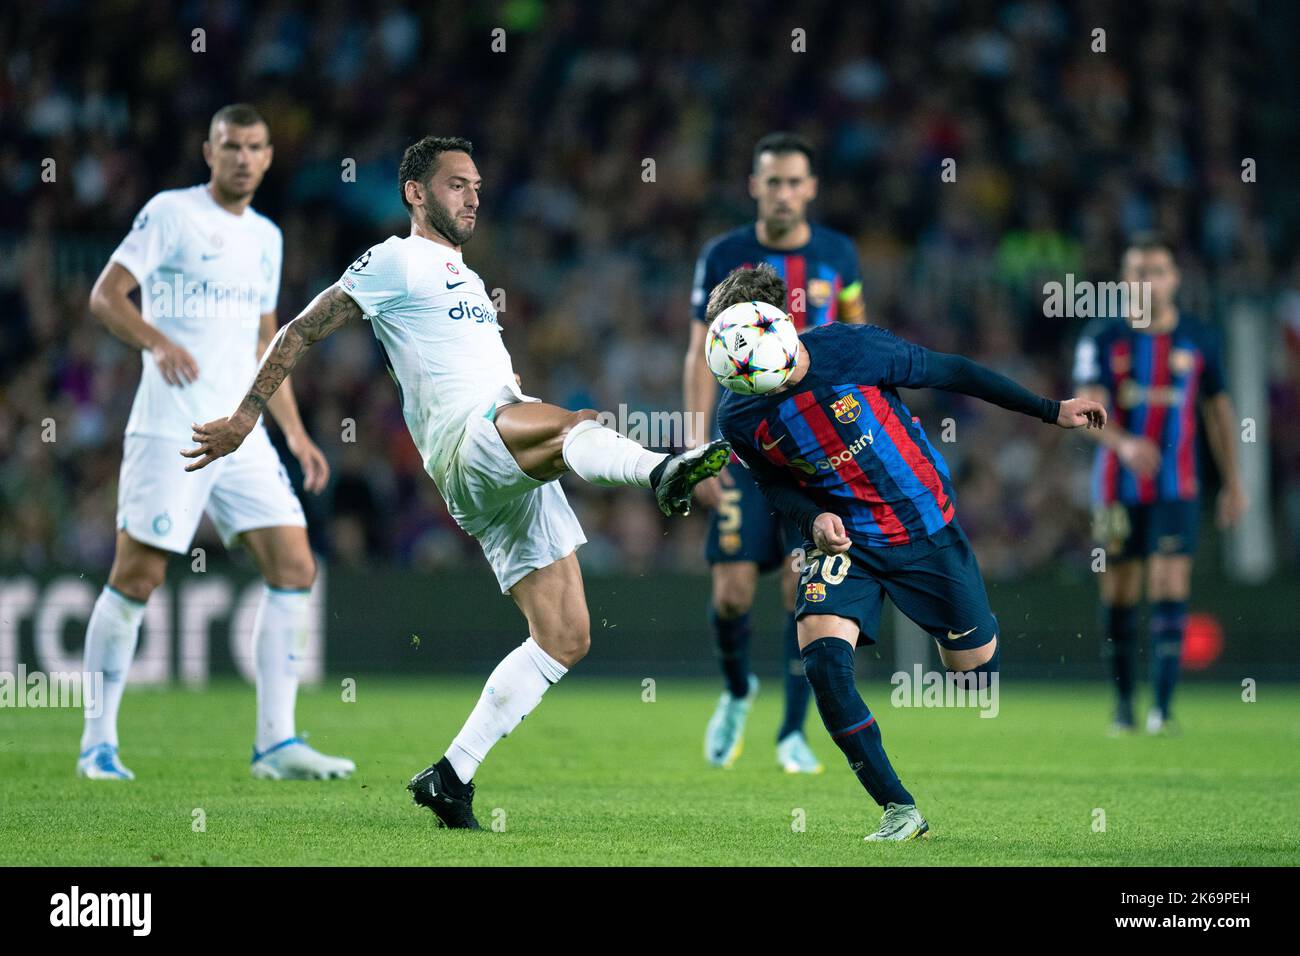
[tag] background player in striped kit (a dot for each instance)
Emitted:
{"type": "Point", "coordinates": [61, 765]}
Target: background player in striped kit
{"type": "Point", "coordinates": [1146, 490]}
{"type": "Point", "coordinates": [747, 536]}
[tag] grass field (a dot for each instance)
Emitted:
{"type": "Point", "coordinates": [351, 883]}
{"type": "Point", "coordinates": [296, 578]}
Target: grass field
{"type": "Point", "coordinates": [596, 776]}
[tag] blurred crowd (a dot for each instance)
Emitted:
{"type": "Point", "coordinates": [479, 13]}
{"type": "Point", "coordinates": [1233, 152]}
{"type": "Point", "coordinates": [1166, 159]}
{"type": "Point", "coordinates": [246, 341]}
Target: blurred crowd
{"type": "Point", "coordinates": [1060, 148]}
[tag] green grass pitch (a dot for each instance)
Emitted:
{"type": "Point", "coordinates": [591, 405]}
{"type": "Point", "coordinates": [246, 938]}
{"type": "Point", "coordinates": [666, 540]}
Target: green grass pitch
{"type": "Point", "coordinates": [598, 776]}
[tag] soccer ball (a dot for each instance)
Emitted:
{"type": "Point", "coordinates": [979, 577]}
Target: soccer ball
{"type": "Point", "coordinates": [752, 347]}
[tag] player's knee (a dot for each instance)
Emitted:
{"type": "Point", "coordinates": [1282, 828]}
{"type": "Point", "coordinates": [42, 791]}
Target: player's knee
{"type": "Point", "coordinates": [576, 418]}
{"type": "Point", "coordinates": [1121, 585]}
{"type": "Point", "coordinates": [732, 596]}
{"type": "Point", "coordinates": [568, 639]}
{"type": "Point", "coordinates": [970, 658]}
{"type": "Point", "coordinates": [580, 644]}
{"type": "Point", "coordinates": [732, 604]}
{"type": "Point", "coordinates": [296, 572]}
{"type": "Point", "coordinates": [1169, 581]}
{"type": "Point", "coordinates": [137, 580]}
{"type": "Point", "coordinates": [554, 446]}
{"type": "Point", "coordinates": [572, 646]}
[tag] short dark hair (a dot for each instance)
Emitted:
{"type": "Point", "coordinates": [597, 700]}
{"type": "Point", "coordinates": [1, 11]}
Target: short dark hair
{"type": "Point", "coordinates": [1149, 241]}
{"type": "Point", "coordinates": [420, 160]}
{"type": "Point", "coordinates": [236, 114]}
{"type": "Point", "coordinates": [759, 284]}
{"type": "Point", "coordinates": [782, 143]}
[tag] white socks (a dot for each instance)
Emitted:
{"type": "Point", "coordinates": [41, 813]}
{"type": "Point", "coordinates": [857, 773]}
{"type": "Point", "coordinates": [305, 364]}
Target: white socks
{"type": "Point", "coordinates": [279, 638]}
{"type": "Point", "coordinates": [110, 645]}
{"type": "Point", "coordinates": [602, 456]}
{"type": "Point", "coordinates": [513, 689]}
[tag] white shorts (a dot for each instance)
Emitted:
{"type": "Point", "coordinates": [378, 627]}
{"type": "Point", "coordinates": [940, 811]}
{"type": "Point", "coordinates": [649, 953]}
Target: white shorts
{"type": "Point", "coordinates": [160, 504]}
{"type": "Point", "coordinates": [522, 524]}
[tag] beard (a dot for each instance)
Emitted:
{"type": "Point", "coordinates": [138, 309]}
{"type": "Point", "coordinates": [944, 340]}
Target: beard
{"type": "Point", "coordinates": [232, 191]}
{"type": "Point", "coordinates": [442, 222]}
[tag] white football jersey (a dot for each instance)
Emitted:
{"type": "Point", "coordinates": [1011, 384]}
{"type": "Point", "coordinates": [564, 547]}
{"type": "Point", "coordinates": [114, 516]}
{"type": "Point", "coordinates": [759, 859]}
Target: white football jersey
{"type": "Point", "coordinates": [206, 277]}
{"type": "Point", "coordinates": [439, 331]}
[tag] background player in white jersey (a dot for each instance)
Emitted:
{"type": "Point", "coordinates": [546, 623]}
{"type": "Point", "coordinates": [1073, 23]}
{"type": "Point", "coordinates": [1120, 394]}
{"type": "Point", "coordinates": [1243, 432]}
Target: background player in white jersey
{"type": "Point", "coordinates": [493, 452]}
{"type": "Point", "coordinates": [208, 269]}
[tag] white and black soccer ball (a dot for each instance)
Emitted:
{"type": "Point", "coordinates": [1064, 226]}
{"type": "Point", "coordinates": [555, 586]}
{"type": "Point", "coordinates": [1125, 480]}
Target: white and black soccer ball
{"type": "Point", "coordinates": [752, 347]}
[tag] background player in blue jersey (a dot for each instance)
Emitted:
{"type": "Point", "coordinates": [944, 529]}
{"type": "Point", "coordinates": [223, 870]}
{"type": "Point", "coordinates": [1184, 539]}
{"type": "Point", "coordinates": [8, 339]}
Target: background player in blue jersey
{"type": "Point", "coordinates": [837, 451]}
{"type": "Point", "coordinates": [746, 536]}
{"type": "Point", "coordinates": [1145, 483]}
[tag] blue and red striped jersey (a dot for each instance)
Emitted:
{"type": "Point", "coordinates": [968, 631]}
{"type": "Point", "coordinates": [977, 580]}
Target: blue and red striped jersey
{"type": "Point", "coordinates": [846, 439]}
{"type": "Point", "coordinates": [1155, 383]}
{"type": "Point", "coordinates": [816, 274]}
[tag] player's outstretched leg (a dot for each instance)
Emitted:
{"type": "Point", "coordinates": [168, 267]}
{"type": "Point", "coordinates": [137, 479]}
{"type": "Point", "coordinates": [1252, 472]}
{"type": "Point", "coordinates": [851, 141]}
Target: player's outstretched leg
{"type": "Point", "coordinates": [279, 642]}
{"type": "Point", "coordinates": [828, 663]}
{"type": "Point", "coordinates": [547, 441]}
{"type": "Point", "coordinates": [552, 600]}
{"type": "Point", "coordinates": [111, 638]}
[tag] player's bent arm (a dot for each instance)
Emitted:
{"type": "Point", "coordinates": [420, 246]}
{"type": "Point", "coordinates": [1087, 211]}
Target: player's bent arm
{"type": "Point", "coordinates": [825, 529]}
{"type": "Point", "coordinates": [1136, 452]}
{"type": "Point", "coordinates": [790, 501]}
{"type": "Point", "coordinates": [700, 388]}
{"type": "Point", "coordinates": [779, 490]}
{"type": "Point", "coordinates": [1111, 437]}
{"type": "Point", "coordinates": [325, 314]}
{"type": "Point", "coordinates": [1221, 435]}
{"type": "Point", "coordinates": [110, 303]}
{"type": "Point", "coordinates": [282, 406]}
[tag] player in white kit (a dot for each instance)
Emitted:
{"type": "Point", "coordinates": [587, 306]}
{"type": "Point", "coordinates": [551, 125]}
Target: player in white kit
{"type": "Point", "coordinates": [494, 452]}
{"type": "Point", "coordinates": [208, 269]}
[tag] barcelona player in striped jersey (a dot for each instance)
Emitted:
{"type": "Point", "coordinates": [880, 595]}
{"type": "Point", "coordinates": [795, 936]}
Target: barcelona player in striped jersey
{"type": "Point", "coordinates": [746, 537]}
{"type": "Point", "coordinates": [835, 450]}
{"type": "Point", "coordinates": [1153, 373]}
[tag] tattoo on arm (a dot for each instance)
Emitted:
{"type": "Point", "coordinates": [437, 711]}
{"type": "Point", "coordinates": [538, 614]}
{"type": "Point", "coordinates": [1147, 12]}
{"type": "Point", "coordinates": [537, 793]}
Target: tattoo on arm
{"type": "Point", "coordinates": [326, 313]}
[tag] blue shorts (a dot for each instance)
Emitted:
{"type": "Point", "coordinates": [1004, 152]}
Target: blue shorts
{"type": "Point", "coordinates": [745, 527]}
{"type": "Point", "coordinates": [935, 582]}
{"type": "Point", "coordinates": [1134, 532]}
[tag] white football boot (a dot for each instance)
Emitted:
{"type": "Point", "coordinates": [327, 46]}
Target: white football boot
{"type": "Point", "coordinates": [900, 822]}
{"type": "Point", "coordinates": [101, 762]}
{"type": "Point", "coordinates": [292, 759]}
{"type": "Point", "coordinates": [795, 756]}
{"type": "Point", "coordinates": [724, 738]}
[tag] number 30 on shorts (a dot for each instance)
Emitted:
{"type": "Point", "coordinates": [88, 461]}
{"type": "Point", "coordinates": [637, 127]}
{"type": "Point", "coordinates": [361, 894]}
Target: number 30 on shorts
{"type": "Point", "coordinates": [831, 567]}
